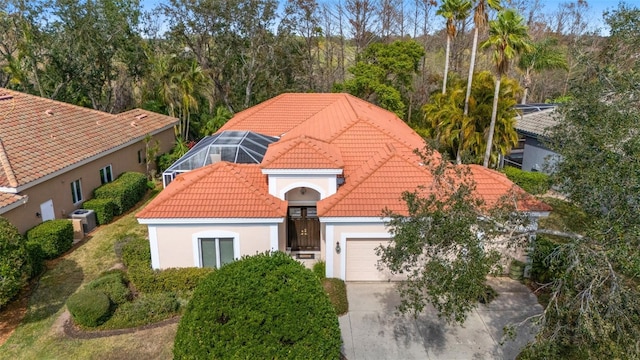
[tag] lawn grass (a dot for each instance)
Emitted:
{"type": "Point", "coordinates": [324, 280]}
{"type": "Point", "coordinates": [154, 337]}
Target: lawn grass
{"type": "Point", "coordinates": [39, 335]}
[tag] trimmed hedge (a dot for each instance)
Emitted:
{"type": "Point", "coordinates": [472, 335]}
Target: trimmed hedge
{"type": "Point", "coordinates": [105, 209]}
{"type": "Point", "coordinates": [125, 191]}
{"type": "Point", "coordinates": [267, 306]}
{"type": "Point", "coordinates": [89, 307]}
{"type": "Point", "coordinates": [113, 285]}
{"type": "Point", "coordinates": [54, 237]}
{"type": "Point", "coordinates": [535, 183]}
{"type": "Point", "coordinates": [14, 262]}
{"type": "Point", "coordinates": [137, 257]}
{"type": "Point", "coordinates": [146, 309]}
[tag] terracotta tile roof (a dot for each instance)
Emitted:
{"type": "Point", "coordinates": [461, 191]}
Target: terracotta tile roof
{"type": "Point", "coordinates": [379, 184]}
{"type": "Point", "coordinates": [7, 199]}
{"type": "Point", "coordinates": [302, 153]}
{"type": "Point", "coordinates": [375, 147]}
{"type": "Point", "coordinates": [41, 136]}
{"type": "Point", "coordinates": [220, 190]}
{"type": "Point", "coordinates": [492, 185]}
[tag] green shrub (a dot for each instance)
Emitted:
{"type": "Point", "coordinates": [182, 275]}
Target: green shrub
{"type": "Point", "coordinates": [542, 267]}
{"type": "Point", "coordinates": [535, 183]}
{"type": "Point", "coordinates": [136, 252]}
{"type": "Point", "coordinates": [36, 258]}
{"type": "Point", "coordinates": [337, 292]}
{"type": "Point", "coordinates": [136, 255]}
{"type": "Point", "coordinates": [89, 307]}
{"type": "Point", "coordinates": [15, 268]}
{"type": "Point", "coordinates": [266, 306]}
{"type": "Point", "coordinates": [113, 285]}
{"type": "Point", "coordinates": [179, 280]}
{"type": "Point", "coordinates": [146, 309]}
{"type": "Point", "coordinates": [125, 191]}
{"type": "Point", "coordinates": [320, 269]}
{"type": "Point", "coordinates": [105, 209]}
{"type": "Point", "coordinates": [53, 236]}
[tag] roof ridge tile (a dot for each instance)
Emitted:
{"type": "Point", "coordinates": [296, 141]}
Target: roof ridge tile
{"type": "Point", "coordinates": [6, 166]}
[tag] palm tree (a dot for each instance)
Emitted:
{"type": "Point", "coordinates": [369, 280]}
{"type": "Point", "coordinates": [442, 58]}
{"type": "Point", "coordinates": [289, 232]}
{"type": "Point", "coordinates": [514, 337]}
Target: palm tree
{"type": "Point", "coordinates": [480, 19]}
{"type": "Point", "coordinates": [542, 56]}
{"type": "Point", "coordinates": [452, 10]}
{"type": "Point", "coordinates": [508, 36]}
{"type": "Point", "coordinates": [190, 84]}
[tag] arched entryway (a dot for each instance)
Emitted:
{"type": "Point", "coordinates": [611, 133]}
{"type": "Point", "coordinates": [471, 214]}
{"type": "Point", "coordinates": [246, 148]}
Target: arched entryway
{"type": "Point", "coordinates": [303, 225]}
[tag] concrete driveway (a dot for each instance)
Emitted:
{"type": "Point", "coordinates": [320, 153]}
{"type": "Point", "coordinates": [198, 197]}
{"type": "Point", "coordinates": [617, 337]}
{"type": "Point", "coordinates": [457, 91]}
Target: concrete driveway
{"type": "Point", "coordinates": [373, 330]}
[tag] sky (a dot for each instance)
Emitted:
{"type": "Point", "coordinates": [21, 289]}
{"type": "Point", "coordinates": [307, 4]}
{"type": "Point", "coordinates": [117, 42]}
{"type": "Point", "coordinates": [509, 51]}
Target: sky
{"type": "Point", "coordinates": [596, 8]}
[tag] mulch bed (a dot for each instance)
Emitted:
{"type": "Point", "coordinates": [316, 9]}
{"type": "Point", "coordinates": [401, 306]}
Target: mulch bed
{"type": "Point", "coordinates": [75, 332]}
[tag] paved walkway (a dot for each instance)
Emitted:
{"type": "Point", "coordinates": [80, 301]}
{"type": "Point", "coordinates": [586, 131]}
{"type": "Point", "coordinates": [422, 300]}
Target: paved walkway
{"type": "Point", "coordinates": [372, 329]}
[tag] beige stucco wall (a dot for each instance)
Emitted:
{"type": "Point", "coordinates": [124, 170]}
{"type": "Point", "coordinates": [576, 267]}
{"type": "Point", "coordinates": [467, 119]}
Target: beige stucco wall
{"type": "Point", "coordinates": [58, 189]}
{"type": "Point", "coordinates": [176, 245]}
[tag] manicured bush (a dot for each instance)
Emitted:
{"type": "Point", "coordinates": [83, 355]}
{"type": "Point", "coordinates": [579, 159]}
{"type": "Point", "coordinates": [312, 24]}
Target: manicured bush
{"type": "Point", "coordinates": [320, 269]}
{"type": "Point", "coordinates": [535, 183]}
{"type": "Point", "coordinates": [137, 252]}
{"type": "Point", "coordinates": [53, 236]}
{"type": "Point", "coordinates": [146, 309]}
{"type": "Point", "coordinates": [136, 255]}
{"type": "Point", "coordinates": [113, 285]}
{"type": "Point", "coordinates": [336, 289]}
{"type": "Point", "coordinates": [15, 268]}
{"type": "Point", "coordinates": [89, 307]}
{"type": "Point", "coordinates": [125, 191]}
{"type": "Point", "coordinates": [105, 209]}
{"type": "Point", "coordinates": [266, 306]}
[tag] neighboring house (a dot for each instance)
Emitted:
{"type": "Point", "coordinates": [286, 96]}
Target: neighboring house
{"type": "Point", "coordinates": [532, 154]}
{"type": "Point", "coordinates": [52, 154]}
{"type": "Point", "coordinates": [317, 192]}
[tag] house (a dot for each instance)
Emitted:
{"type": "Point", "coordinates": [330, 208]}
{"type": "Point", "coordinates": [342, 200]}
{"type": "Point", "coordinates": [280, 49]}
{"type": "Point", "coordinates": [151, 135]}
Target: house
{"type": "Point", "coordinates": [532, 154]}
{"type": "Point", "coordinates": [52, 154]}
{"type": "Point", "coordinates": [316, 193]}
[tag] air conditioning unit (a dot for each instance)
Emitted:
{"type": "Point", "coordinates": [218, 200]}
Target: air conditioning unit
{"type": "Point", "coordinates": [88, 218]}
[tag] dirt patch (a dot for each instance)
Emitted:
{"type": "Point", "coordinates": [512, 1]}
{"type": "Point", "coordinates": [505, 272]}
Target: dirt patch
{"type": "Point", "coordinates": [13, 313]}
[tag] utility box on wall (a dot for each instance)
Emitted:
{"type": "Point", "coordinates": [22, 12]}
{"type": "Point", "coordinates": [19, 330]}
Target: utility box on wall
{"type": "Point", "coordinates": [87, 217]}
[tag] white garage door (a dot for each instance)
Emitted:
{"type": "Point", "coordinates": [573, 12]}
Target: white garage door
{"type": "Point", "coordinates": [362, 261]}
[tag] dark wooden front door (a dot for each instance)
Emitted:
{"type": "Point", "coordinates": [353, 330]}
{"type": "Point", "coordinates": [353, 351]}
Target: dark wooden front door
{"type": "Point", "coordinates": [303, 229]}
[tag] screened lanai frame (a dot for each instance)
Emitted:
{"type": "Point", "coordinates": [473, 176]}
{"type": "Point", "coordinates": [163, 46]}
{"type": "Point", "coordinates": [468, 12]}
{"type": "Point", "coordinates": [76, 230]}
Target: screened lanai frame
{"type": "Point", "coordinates": [242, 147]}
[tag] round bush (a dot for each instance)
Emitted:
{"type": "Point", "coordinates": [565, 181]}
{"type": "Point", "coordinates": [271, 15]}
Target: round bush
{"type": "Point", "coordinates": [14, 262]}
{"type": "Point", "coordinates": [266, 306]}
{"type": "Point", "coordinates": [113, 285]}
{"type": "Point", "coordinates": [89, 307]}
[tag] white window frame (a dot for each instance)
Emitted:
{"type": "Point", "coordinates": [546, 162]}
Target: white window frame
{"type": "Point", "coordinates": [106, 177]}
{"type": "Point", "coordinates": [214, 234]}
{"type": "Point", "coordinates": [76, 191]}
{"type": "Point", "coordinates": [218, 252]}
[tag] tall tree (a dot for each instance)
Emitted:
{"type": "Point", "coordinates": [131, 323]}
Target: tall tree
{"type": "Point", "coordinates": [480, 19]}
{"type": "Point", "coordinates": [384, 74]}
{"type": "Point", "coordinates": [361, 16]}
{"type": "Point", "coordinates": [444, 120]}
{"type": "Point", "coordinates": [542, 56]}
{"type": "Point", "coordinates": [92, 43]}
{"type": "Point", "coordinates": [452, 10]}
{"type": "Point", "coordinates": [508, 36]}
{"type": "Point", "coordinates": [437, 243]}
